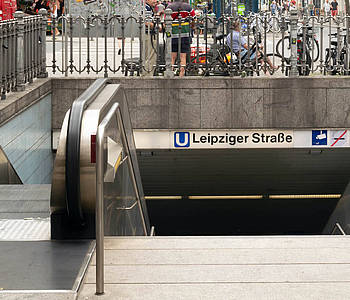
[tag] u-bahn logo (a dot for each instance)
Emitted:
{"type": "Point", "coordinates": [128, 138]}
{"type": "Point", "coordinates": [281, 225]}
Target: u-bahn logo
{"type": "Point", "coordinates": [181, 139]}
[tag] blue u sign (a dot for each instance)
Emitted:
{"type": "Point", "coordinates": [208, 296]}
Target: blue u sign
{"type": "Point", "coordinates": [181, 139]}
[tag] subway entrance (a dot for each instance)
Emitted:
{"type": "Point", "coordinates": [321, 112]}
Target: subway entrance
{"type": "Point", "coordinates": [244, 191]}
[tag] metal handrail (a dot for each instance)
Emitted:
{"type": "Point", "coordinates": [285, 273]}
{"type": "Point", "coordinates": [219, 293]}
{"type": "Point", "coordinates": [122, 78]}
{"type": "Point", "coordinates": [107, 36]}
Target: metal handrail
{"type": "Point", "coordinates": [72, 165]}
{"type": "Point", "coordinates": [338, 226]}
{"type": "Point", "coordinates": [100, 158]}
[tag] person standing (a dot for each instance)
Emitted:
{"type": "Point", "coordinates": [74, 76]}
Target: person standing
{"type": "Point", "coordinates": [326, 8]}
{"type": "Point", "coordinates": [160, 10]}
{"type": "Point", "coordinates": [150, 41]}
{"type": "Point", "coordinates": [311, 8]}
{"type": "Point", "coordinates": [334, 8]}
{"type": "Point", "coordinates": [181, 11]}
{"type": "Point", "coordinates": [273, 7]}
{"type": "Point", "coordinates": [60, 10]}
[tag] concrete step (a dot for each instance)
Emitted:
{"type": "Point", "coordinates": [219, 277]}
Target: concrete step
{"type": "Point", "coordinates": [24, 201]}
{"type": "Point", "coordinates": [227, 242]}
{"type": "Point", "coordinates": [24, 215]}
{"type": "Point", "coordinates": [277, 267]}
{"type": "Point", "coordinates": [19, 206]}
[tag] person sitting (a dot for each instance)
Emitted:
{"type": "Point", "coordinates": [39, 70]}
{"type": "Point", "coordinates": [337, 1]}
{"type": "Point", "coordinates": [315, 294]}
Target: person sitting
{"type": "Point", "coordinates": [239, 46]}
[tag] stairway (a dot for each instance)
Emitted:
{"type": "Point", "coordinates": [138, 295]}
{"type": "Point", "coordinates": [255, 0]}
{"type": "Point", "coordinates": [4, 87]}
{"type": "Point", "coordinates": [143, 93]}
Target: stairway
{"type": "Point", "coordinates": [24, 212]}
{"type": "Point", "coordinates": [19, 201]}
{"type": "Point", "coordinates": [266, 267]}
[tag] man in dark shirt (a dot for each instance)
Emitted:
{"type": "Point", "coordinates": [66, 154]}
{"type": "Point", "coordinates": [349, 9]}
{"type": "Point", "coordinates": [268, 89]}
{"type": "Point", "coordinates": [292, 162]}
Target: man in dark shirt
{"type": "Point", "coordinates": [334, 8]}
{"type": "Point", "coordinates": [60, 10]}
{"type": "Point", "coordinates": [181, 11]}
{"type": "Point", "coordinates": [38, 4]}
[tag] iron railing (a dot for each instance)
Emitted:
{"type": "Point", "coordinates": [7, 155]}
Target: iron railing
{"type": "Point", "coordinates": [284, 45]}
{"type": "Point", "coordinates": [22, 51]}
{"type": "Point", "coordinates": [279, 45]}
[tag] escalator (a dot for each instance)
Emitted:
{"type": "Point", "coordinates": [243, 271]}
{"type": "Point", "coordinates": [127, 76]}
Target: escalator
{"type": "Point", "coordinates": [73, 193]}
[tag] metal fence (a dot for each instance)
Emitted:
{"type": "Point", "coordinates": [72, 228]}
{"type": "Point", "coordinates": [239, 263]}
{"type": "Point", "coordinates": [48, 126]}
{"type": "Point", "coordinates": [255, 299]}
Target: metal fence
{"type": "Point", "coordinates": [285, 45]}
{"type": "Point", "coordinates": [22, 51]}
{"type": "Point", "coordinates": [277, 45]}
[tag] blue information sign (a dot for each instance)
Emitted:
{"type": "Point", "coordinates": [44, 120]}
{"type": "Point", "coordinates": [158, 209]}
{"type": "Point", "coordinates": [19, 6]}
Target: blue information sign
{"type": "Point", "coordinates": [319, 138]}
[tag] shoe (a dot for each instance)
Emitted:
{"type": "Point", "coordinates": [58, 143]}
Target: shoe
{"type": "Point", "coordinates": [119, 51]}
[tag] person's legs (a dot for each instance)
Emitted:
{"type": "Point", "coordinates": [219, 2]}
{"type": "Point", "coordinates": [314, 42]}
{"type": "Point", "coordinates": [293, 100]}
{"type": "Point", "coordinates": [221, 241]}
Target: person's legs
{"type": "Point", "coordinates": [183, 64]}
{"type": "Point", "coordinates": [185, 49]}
{"type": "Point", "coordinates": [268, 60]}
{"type": "Point", "coordinates": [173, 58]}
{"type": "Point", "coordinates": [174, 50]}
{"type": "Point", "coordinates": [120, 45]}
{"type": "Point", "coordinates": [150, 56]}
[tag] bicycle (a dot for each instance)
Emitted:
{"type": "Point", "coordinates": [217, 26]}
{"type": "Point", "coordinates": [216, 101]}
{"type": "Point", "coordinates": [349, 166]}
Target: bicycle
{"type": "Point", "coordinates": [331, 60]}
{"type": "Point", "coordinates": [304, 60]}
{"type": "Point", "coordinates": [283, 45]}
{"type": "Point", "coordinates": [214, 59]}
{"type": "Point", "coordinates": [218, 59]}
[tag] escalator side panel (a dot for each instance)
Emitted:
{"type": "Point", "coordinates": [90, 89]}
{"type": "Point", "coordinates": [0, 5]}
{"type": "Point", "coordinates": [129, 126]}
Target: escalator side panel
{"type": "Point", "coordinates": [73, 139]}
{"type": "Point", "coordinates": [341, 215]}
{"type": "Point", "coordinates": [61, 225]}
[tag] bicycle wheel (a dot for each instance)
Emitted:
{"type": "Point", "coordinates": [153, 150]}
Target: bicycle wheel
{"type": "Point", "coordinates": [283, 45]}
{"type": "Point", "coordinates": [275, 59]}
{"type": "Point", "coordinates": [219, 68]}
{"type": "Point", "coordinates": [314, 48]}
{"type": "Point", "coordinates": [197, 67]}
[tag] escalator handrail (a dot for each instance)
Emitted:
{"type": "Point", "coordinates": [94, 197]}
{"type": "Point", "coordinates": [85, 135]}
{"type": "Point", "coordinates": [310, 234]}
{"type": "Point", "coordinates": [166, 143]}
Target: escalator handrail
{"type": "Point", "coordinates": [114, 112]}
{"type": "Point", "coordinates": [72, 175]}
{"type": "Point", "coordinates": [338, 226]}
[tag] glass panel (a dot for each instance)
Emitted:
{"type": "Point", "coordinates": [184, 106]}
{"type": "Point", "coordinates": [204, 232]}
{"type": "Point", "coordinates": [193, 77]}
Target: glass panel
{"type": "Point", "coordinates": [121, 209]}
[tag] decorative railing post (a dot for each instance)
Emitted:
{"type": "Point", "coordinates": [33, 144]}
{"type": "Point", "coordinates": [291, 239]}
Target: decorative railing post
{"type": "Point", "coordinates": [168, 65]}
{"type": "Point", "coordinates": [20, 80]}
{"type": "Point", "coordinates": [293, 43]}
{"type": "Point", "coordinates": [42, 40]}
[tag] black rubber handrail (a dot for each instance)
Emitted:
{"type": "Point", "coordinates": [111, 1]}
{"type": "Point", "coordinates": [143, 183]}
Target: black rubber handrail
{"type": "Point", "coordinates": [73, 203]}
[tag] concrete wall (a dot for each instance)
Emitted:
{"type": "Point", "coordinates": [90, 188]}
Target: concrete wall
{"type": "Point", "coordinates": [25, 134]}
{"type": "Point", "coordinates": [223, 102]}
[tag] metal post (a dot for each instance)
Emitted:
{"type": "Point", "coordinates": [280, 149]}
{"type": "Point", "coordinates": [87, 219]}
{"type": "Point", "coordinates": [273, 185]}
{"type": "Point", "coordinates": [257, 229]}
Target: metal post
{"type": "Point", "coordinates": [42, 39]}
{"type": "Point", "coordinates": [234, 8]}
{"type": "Point", "coordinates": [2, 60]}
{"type": "Point", "coordinates": [20, 82]}
{"type": "Point", "coordinates": [346, 67]}
{"type": "Point", "coordinates": [293, 43]}
{"type": "Point", "coordinates": [100, 140]}
{"type": "Point", "coordinates": [65, 38]}
{"type": "Point", "coordinates": [168, 65]}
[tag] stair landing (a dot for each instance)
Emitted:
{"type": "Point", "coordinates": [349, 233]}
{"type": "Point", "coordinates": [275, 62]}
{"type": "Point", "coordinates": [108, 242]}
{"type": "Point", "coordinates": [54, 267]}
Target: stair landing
{"type": "Point", "coordinates": [289, 267]}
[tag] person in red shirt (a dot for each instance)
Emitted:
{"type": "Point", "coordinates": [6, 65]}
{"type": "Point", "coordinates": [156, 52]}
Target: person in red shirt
{"type": "Point", "coordinates": [181, 11]}
{"type": "Point", "coordinates": [334, 8]}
